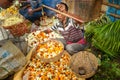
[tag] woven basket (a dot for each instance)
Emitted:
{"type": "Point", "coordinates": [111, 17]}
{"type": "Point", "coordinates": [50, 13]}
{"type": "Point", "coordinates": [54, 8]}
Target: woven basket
{"type": "Point", "coordinates": [19, 29]}
{"type": "Point", "coordinates": [84, 64]}
{"type": "Point", "coordinates": [53, 59]}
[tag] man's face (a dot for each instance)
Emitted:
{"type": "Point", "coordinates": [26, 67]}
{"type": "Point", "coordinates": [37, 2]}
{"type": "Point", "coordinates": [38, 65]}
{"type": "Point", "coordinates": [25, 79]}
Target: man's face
{"type": "Point", "coordinates": [5, 3]}
{"type": "Point", "coordinates": [61, 8]}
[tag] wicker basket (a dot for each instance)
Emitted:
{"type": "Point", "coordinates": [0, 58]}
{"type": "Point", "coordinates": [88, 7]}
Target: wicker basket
{"type": "Point", "coordinates": [19, 29]}
{"type": "Point", "coordinates": [84, 64]}
{"type": "Point", "coordinates": [53, 59]}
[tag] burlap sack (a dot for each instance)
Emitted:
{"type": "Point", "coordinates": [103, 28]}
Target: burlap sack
{"type": "Point", "coordinates": [11, 59]}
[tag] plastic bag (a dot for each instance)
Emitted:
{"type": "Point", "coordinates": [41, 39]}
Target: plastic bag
{"type": "Point", "coordinates": [11, 59]}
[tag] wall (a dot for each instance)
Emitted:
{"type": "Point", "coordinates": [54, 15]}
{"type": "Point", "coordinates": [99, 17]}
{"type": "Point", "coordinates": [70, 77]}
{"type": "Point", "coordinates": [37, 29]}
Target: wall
{"type": "Point", "coordinates": [71, 5]}
{"type": "Point", "coordinates": [85, 9]}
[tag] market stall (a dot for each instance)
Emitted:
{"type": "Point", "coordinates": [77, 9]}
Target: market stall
{"type": "Point", "coordinates": [18, 27]}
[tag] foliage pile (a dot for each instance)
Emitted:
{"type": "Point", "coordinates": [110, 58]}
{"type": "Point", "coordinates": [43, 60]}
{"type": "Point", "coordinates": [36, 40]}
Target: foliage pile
{"type": "Point", "coordinates": [104, 35]}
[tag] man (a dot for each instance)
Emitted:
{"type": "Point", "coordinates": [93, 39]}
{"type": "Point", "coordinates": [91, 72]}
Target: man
{"type": "Point", "coordinates": [73, 36]}
{"type": "Point", "coordinates": [34, 11]}
{"type": "Point", "coordinates": [5, 3]}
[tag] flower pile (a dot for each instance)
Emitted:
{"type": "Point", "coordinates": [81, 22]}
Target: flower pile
{"type": "Point", "coordinates": [37, 37]}
{"type": "Point", "coordinates": [8, 12]}
{"type": "Point", "coordinates": [49, 49]}
{"type": "Point", "coordinates": [59, 70]}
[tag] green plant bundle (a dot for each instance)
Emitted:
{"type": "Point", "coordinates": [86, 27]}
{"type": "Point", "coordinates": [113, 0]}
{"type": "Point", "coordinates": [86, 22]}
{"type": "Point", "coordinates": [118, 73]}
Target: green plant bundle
{"type": "Point", "coordinates": [107, 38]}
{"type": "Point", "coordinates": [104, 35]}
{"type": "Point", "coordinates": [91, 26]}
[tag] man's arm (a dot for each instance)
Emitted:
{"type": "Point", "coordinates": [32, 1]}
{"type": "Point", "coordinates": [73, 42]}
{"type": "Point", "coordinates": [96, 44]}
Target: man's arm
{"type": "Point", "coordinates": [39, 2]}
{"type": "Point", "coordinates": [35, 10]}
{"type": "Point", "coordinates": [53, 28]}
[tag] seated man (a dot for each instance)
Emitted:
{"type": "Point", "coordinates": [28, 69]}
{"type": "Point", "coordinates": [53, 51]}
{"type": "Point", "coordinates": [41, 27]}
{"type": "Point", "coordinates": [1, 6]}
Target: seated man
{"type": "Point", "coordinates": [33, 11]}
{"type": "Point", "coordinates": [5, 3]}
{"type": "Point", "coordinates": [73, 36]}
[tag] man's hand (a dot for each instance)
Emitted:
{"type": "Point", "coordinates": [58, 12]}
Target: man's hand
{"type": "Point", "coordinates": [30, 11]}
{"type": "Point", "coordinates": [47, 31]}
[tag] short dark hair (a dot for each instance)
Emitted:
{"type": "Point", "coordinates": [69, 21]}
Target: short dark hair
{"type": "Point", "coordinates": [66, 6]}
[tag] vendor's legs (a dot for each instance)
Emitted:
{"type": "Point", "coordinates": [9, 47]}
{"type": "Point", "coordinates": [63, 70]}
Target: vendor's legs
{"type": "Point", "coordinates": [74, 48]}
{"type": "Point", "coordinates": [33, 17]}
{"type": "Point", "coordinates": [23, 11]}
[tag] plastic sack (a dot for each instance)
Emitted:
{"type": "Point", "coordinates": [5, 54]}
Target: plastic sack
{"type": "Point", "coordinates": [11, 59]}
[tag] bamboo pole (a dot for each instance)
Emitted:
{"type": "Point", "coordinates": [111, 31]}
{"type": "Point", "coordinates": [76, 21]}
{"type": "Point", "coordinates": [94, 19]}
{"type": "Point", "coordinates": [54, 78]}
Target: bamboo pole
{"type": "Point", "coordinates": [112, 5]}
{"type": "Point", "coordinates": [65, 14]}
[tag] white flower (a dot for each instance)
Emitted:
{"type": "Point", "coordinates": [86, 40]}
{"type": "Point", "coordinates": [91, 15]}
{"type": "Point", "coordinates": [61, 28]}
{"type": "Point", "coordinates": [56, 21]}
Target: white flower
{"type": "Point", "coordinates": [49, 75]}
